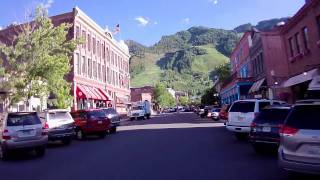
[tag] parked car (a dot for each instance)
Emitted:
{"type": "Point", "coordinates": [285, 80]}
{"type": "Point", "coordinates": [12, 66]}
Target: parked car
{"type": "Point", "coordinates": [215, 113]}
{"type": "Point", "coordinates": [60, 125]}
{"type": "Point", "coordinates": [265, 127]}
{"type": "Point", "coordinates": [299, 149]}
{"type": "Point", "coordinates": [223, 114]}
{"type": "Point", "coordinates": [242, 113]}
{"type": "Point", "coordinates": [91, 121]}
{"type": "Point", "coordinates": [113, 115]}
{"type": "Point", "coordinates": [22, 131]}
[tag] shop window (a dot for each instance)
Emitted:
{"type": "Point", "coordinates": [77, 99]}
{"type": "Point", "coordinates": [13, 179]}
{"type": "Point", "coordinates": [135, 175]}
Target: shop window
{"type": "Point", "coordinates": [318, 23]}
{"type": "Point", "coordinates": [77, 64]}
{"type": "Point", "coordinates": [84, 65]}
{"type": "Point", "coordinates": [305, 38]}
{"type": "Point", "coordinates": [94, 45]}
{"type": "Point", "coordinates": [84, 39]}
{"type": "Point", "coordinates": [77, 32]}
{"type": "Point", "coordinates": [291, 47]}
{"type": "Point", "coordinates": [89, 42]}
{"type": "Point", "coordinates": [297, 41]}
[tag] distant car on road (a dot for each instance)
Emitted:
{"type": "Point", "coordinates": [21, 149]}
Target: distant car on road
{"type": "Point", "coordinates": [299, 149]}
{"type": "Point", "coordinates": [223, 114]}
{"type": "Point", "coordinates": [137, 112]}
{"type": "Point", "coordinates": [22, 131]}
{"type": "Point", "coordinates": [114, 116]}
{"type": "Point", "coordinates": [215, 113]}
{"type": "Point", "coordinates": [90, 121]}
{"type": "Point", "coordinates": [60, 125]}
{"type": "Point", "coordinates": [242, 113]}
{"type": "Point", "coordinates": [265, 127]}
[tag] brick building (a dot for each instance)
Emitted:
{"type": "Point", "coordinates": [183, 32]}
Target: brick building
{"type": "Point", "coordinates": [301, 38]}
{"type": "Point", "coordinates": [142, 94]}
{"type": "Point", "coordinates": [100, 67]}
{"type": "Point", "coordinates": [238, 84]}
{"type": "Point", "coordinates": [268, 63]}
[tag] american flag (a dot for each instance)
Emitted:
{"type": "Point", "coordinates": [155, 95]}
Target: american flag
{"type": "Point", "coordinates": [117, 29]}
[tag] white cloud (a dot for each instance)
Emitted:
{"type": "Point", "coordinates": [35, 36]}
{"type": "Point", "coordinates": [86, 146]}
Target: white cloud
{"type": "Point", "coordinates": [214, 2]}
{"type": "Point", "coordinates": [143, 21]}
{"type": "Point", "coordinates": [186, 21]}
{"type": "Point", "coordinates": [155, 23]}
{"type": "Point", "coordinates": [0, 27]}
{"type": "Point", "coordinates": [47, 4]}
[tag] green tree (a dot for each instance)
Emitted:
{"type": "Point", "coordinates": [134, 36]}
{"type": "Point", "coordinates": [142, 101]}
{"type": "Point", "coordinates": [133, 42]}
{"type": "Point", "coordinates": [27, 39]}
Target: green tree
{"type": "Point", "coordinates": [210, 97]}
{"type": "Point", "coordinates": [38, 60]}
{"type": "Point", "coordinates": [184, 101]}
{"type": "Point", "coordinates": [222, 72]}
{"type": "Point", "coordinates": [163, 97]}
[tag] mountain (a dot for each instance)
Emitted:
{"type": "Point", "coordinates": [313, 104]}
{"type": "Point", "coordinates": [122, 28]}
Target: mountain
{"type": "Point", "coordinates": [182, 61]}
{"type": "Point", "coordinates": [187, 59]}
{"type": "Point", "coordinates": [265, 25]}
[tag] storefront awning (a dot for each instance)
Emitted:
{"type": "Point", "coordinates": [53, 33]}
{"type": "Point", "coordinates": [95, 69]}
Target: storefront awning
{"type": "Point", "coordinates": [256, 86]}
{"type": "Point", "coordinates": [307, 76]}
{"type": "Point", "coordinates": [83, 93]}
{"type": "Point", "coordinates": [98, 94]}
{"type": "Point", "coordinates": [315, 84]}
{"type": "Point", "coordinates": [105, 94]}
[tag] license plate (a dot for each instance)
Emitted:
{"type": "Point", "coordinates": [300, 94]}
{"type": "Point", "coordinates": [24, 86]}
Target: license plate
{"type": "Point", "coordinates": [314, 151]}
{"type": "Point", "coordinates": [240, 118]}
{"type": "Point", "coordinates": [99, 122]}
{"type": "Point", "coordinates": [266, 129]}
{"type": "Point", "coordinates": [26, 133]}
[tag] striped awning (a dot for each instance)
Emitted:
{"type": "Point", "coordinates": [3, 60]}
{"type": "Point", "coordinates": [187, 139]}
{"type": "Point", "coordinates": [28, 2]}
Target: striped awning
{"type": "Point", "coordinates": [256, 86]}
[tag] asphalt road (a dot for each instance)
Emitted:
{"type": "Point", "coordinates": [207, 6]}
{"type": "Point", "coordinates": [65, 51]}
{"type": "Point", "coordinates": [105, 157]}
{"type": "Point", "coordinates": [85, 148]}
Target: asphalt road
{"type": "Point", "coordinates": [170, 146]}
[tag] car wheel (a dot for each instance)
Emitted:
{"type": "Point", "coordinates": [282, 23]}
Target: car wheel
{"type": "Point", "coordinates": [103, 135]}
{"type": "Point", "coordinates": [4, 154]}
{"type": "Point", "coordinates": [241, 136]}
{"type": "Point", "coordinates": [40, 151]}
{"type": "Point", "coordinates": [80, 135]}
{"type": "Point", "coordinates": [131, 119]}
{"type": "Point", "coordinates": [66, 141]}
{"type": "Point", "coordinates": [113, 130]}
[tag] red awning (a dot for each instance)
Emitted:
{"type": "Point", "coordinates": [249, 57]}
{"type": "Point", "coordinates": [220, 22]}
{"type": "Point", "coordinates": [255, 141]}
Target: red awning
{"type": "Point", "coordinates": [105, 94]}
{"type": "Point", "coordinates": [100, 94]}
{"type": "Point", "coordinates": [83, 93]}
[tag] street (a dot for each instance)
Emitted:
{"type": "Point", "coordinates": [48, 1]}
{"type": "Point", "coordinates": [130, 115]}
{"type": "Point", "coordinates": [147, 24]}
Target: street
{"type": "Point", "coordinates": [206, 150]}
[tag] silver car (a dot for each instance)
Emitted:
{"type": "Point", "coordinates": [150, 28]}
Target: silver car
{"type": "Point", "coordinates": [114, 117]}
{"type": "Point", "coordinates": [299, 149]}
{"type": "Point", "coordinates": [22, 130]}
{"type": "Point", "coordinates": [60, 124]}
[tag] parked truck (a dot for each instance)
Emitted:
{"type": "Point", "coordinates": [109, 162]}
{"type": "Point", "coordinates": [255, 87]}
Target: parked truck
{"type": "Point", "coordinates": [140, 110]}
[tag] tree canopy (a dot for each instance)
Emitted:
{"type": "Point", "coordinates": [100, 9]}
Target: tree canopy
{"type": "Point", "coordinates": [38, 60]}
{"type": "Point", "coordinates": [162, 97]}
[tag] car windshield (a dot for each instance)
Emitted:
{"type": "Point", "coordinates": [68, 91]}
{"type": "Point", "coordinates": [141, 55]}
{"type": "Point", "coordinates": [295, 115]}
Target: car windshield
{"type": "Point", "coordinates": [137, 108]}
{"type": "Point", "coordinates": [273, 115]}
{"type": "Point", "coordinates": [110, 111]}
{"type": "Point", "coordinates": [243, 106]}
{"type": "Point", "coordinates": [59, 115]}
{"type": "Point", "coordinates": [305, 117]}
{"type": "Point", "coordinates": [96, 114]}
{"type": "Point", "coordinates": [23, 119]}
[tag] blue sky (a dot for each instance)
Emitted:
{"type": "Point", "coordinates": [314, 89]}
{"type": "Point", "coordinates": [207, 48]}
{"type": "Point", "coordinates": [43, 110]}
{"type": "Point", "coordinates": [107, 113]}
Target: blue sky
{"type": "Point", "coordinates": [146, 21]}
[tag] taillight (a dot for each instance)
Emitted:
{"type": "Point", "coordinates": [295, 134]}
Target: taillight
{"type": "Point", "coordinates": [288, 131]}
{"type": "Point", "coordinates": [45, 129]}
{"type": "Point", "coordinates": [253, 125]}
{"type": "Point", "coordinates": [5, 135]}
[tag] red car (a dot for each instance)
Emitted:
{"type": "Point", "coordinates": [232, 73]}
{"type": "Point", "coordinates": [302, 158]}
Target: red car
{"type": "Point", "coordinates": [91, 121]}
{"type": "Point", "coordinates": [223, 114]}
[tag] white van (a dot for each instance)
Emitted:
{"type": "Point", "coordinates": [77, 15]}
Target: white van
{"type": "Point", "coordinates": [242, 113]}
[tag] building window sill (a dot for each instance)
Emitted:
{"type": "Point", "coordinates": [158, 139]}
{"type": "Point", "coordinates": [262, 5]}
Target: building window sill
{"type": "Point", "coordinates": [296, 57]}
